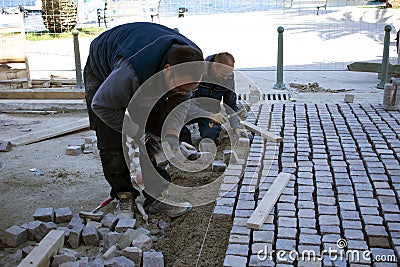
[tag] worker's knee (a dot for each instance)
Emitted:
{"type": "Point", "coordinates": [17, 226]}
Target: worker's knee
{"type": "Point", "coordinates": [185, 135]}
{"type": "Point", "coordinates": [113, 162]}
{"type": "Point", "coordinates": [212, 133]}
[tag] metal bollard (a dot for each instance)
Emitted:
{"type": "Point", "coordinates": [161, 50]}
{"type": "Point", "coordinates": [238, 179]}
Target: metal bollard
{"type": "Point", "coordinates": [397, 46]}
{"type": "Point", "coordinates": [78, 67]}
{"type": "Point", "coordinates": [279, 72]}
{"type": "Point", "coordinates": [385, 59]}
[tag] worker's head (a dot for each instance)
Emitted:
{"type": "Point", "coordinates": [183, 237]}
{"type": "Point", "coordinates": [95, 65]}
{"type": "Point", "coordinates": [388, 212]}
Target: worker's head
{"type": "Point", "coordinates": [222, 66]}
{"type": "Point", "coordinates": [184, 69]}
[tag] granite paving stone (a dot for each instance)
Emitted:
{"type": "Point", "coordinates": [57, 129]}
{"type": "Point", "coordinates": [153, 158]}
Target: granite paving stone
{"type": "Point", "coordinates": [349, 224]}
{"type": "Point", "coordinates": [392, 217]}
{"type": "Point", "coordinates": [306, 213]}
{"type": "Point", "coordinates": [329, 229]}
{"type": "Point", "coordinates": [330, 238]}
{"type": "Point", "coordinates": [286, 244]}
{"type": "Point", "coordinates": [286, 206]}
{"type": "Point", "coordinates": [345, 198]}
{"type": "Point", "coordinates": [325, 192]}
{"type": "Point", "coordinates": [287, 232]}
{"type": "Point", "coordinates": [370, 211]}
{"type": "Point", "coordinates": [310, 231]}
{"type": "Point", "coordinates": [287, 222]}
{"type": "Point", "coordinates": [307, 223]}
{"type": "Point", "coordinates": [263, 261]}
{"type": "Point", "coordinates": [286, 213]}
{"type": "Point", "coordinates": [349, 215]}
{"type": "Point", "coordinates": [394, 226]}
{"type": "Point", "coordinates": [390, 208]}
{"type": "Point", "coordinates": [333, 248]}
{"type": "Point", "coordinates": [308, 239]}
{"type": "Point", "coordinates": [328, 220]}
{"type": "Point", "coordinates": [353, 234]}
{"type": "Point", "coordinates": [238, 249]}
{"type": "Point", "coordinates": [369, 195]}
{"type": "Point", "coordinates": [360, 245]}
{"type": "Point", "coordinates": [372, 219]}
{"type": "Point", "coordinates": [306, 204]}
{"type": "Point", "coordinates": [387, 199]}
{"type": "Point", "coordinates": [367, 202]}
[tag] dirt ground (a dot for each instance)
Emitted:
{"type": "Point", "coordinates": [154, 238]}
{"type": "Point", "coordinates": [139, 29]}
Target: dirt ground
{"type": "Point", "coordinates": [60, 180]}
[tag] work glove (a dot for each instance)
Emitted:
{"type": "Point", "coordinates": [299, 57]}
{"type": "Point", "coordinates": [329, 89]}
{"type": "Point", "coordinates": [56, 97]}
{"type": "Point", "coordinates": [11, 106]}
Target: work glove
{"type": "Point", "coordinates": [130, 128]}
{"type": "Point", "coordinates": [173, 141]}
{"type": "Point", "coordinates": [218, 118]}
{"type": "Point", "coordinates": [241, 132]}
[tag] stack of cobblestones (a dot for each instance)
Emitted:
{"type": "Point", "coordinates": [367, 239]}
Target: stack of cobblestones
{"type": "Point", "coordinates": [78, 231]}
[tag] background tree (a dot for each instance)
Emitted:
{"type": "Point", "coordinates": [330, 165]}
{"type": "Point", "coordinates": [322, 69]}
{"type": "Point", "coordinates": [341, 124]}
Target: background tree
{"type": "Point", "coordinates": [59, 15]}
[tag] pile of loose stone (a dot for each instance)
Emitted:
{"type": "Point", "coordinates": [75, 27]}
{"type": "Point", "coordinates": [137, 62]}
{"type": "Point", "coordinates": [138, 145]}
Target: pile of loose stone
{"type": "Point", "coordinates": [84, 232]}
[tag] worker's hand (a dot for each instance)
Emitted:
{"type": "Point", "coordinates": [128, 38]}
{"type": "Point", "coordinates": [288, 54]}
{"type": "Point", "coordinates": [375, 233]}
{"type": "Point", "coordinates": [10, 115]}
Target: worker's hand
{"type": "Point", "coordinates": [173, 141]}
{"type": "Point", "coordinates": [218, 118]}
{"type": "Point", "coordinates": [241, 132]}
{"type": "Point", "coordinates": [130, 128]}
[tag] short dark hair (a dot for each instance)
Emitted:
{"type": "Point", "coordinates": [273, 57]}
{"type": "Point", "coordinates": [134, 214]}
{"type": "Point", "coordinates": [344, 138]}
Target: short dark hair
{"type": "Point", "coordinates": [225, 58]}
{"type": "Point", "coordinates": [184, 54]}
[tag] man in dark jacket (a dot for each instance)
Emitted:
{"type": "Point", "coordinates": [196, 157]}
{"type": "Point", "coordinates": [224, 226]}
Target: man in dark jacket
{"type": "Point", "coordinates": [120, 64]}
{"type": "Point", "coordinates": [218, 84]}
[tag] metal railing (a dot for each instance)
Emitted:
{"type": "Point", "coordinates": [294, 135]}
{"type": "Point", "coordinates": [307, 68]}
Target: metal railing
{"type": "Point", "coordinates": [302, 28]}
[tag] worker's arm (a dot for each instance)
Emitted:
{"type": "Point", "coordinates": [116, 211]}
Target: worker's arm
{"type": "Point", "coordinates": [230, 99]}
{"type": "Point", "coordinates": [196, 111]}
{"type": "Point", "coordinates": [112, 98]}
{"type": "Point", "coordinates": [178, 108]}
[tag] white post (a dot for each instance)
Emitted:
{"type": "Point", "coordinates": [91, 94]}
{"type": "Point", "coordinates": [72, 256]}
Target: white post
{"type": "Point", "coordinates": [81, 11]}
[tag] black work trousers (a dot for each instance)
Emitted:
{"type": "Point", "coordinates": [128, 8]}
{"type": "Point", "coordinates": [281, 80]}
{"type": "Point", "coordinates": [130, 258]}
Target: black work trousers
{"type": "Point", "coordinates": [109, 142]}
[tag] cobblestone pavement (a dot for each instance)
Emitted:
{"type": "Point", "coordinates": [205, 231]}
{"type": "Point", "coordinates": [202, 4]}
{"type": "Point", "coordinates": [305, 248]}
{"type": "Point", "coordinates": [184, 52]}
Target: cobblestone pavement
{"type": "Point", "coordinates": [342, 205]}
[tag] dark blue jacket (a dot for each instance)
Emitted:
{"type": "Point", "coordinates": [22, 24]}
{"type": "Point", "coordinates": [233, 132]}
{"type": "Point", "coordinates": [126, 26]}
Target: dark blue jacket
{"type": "Point", "coordinates": [144, 44]}
{"type": "Point", "coordinates": [122, 59]}
{"type": "Point", "coordinates": [225, 92]}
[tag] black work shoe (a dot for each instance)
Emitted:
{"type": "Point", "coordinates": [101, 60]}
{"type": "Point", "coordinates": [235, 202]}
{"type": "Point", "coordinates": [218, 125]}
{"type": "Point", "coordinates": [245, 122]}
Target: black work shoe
{"type": "Point", "coordinates": [124, 207]}
{"type": "Point", "coordinates": [169, 207]}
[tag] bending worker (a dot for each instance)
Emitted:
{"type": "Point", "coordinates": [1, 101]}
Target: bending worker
{"type": "Point", "coordinates": [120, 62]}
{"type": "Point", "coordinates": [218, 84]}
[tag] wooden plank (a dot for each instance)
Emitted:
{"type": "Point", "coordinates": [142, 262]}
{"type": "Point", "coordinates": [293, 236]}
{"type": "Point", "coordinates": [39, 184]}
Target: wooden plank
{"type": "Point", "coordinates": [40, 93]}
{"type": "Point", "coordinates": [372, 67]}
{"type": "Point", "coordinates": [62, 81]}
{"type": "Point", "coordinates": [263, 133]}
{"type": "Point", "coordinates": [47, 133]}
{"type": "Point", "coordinates": [41, 112]}
{"type": "Point", "coordinates": [41, 255]}
{"type": "Point", "coordinates": [12, 60]}
{"type": "Point", "coordinates": [12, 41]}
{"type": "Point", "coordinates": [28, 72]}
{"type": "Point", "coordinates": [16, 81]}
{"type": "Point", "coordinates": [263, 209]}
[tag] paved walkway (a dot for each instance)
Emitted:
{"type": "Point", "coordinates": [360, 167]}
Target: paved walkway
{"type": "Point", "coordinates": [344, 199]}
{"type": "Point", "coordinates": [362, 85]}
